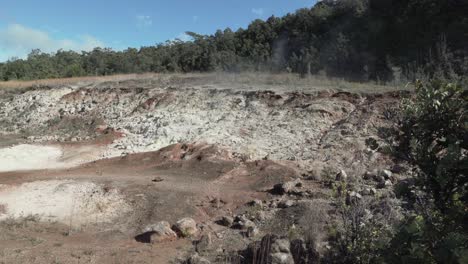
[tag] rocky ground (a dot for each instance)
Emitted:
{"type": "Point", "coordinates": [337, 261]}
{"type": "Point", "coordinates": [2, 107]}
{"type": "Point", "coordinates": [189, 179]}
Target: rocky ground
{"type": "Point", "coordinates": [176, 170]}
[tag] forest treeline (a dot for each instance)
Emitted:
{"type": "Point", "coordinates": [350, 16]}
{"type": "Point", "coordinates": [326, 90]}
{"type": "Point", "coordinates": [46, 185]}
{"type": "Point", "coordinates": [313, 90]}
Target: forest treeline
{"type": "Point", "coordinates": [360, 40]}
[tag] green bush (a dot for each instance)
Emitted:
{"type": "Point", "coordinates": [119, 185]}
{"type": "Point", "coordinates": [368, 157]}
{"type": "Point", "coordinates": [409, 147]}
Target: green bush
{"type": "Point", "coordinates": [434, 138]}
{"type": "Point", "coordinates": [365, 227]}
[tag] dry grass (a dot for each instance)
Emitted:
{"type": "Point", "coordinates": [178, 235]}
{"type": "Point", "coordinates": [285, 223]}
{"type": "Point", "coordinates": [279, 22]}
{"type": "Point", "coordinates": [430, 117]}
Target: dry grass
{"type": "Point", "coordinates": [314, 219]}
{"type": "Point", "coordinates": [245, 80]}
{"type": "Point", "coordinates": [74, 80]}
{"type": "Point", "coordinates": [295, 82]}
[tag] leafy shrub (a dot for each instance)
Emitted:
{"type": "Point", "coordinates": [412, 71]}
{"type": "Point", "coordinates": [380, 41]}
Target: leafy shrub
{"type": "Point", "coordinates": [434, 138]}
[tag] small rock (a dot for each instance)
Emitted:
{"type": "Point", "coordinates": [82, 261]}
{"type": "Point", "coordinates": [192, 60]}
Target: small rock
{"type": "Point", "coordinates": [157, 179]}
{"type": "Point", "coordinates": [368, 191]}
{"type": "Point", "coordinates": [160, 232]}
{"type": "Point", "coordinates": [252, 231]}
{"type": "Point", "coordinates": [372, 143]}
{"type": "Point", "coordinates": [247, 224]}
{"type": "Point", "coordinates": [286, 204]}
{"type": "Point", "coordinates": [352, 197]}
{"type": "Point", "coordinates": [385, 184]}
{"type": "Point", "coordinates": [280, 245]}
{"type": "Point", "coordinates": [388, 183]}
{"type": "Point", "coordinates": [241, 222]}
{"type": "Point", "coordinates": [273, 204]}
{"type": "Point", "coordinates": [217, 203]}
{"type": "Point", "coordinates": [379, 179]}
{"type": "Point", "coordinates": [365, 191]}
{"type": "Point", "coordinates": [256, 202]}
{"type": "Point", "coordinates": [280, 252]}
{"type": "Point", "coordinates": [298, 183]}
{"type": "Point", "coordinates": [281, 258]}
{"type": "Point", "coordinates": [386, 174]}
{"type": "Point", "coordinates": [369, 175]}
{"type": "Point", "coordinates": [341, 176]}
{"type": "Point", "coordinates": [226, 221]}
{"type": "Point", "coordinates": [287, 187]}
{"type": "Point", "coordinates": [185, 227]}
{"type": "Point", "coordinates": [397, 168]}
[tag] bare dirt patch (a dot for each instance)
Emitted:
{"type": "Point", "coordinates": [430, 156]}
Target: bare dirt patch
{"type": "Point", "coordinates": [110, 201]}
{"type": "Point", "coordinates": [29, 157]}
{"type": "Point", "coordinates": [37, 157]}
{"type": "Point", "coordinates": [116, 156]}
{"type": "Point", "coordinates": [66, 201]}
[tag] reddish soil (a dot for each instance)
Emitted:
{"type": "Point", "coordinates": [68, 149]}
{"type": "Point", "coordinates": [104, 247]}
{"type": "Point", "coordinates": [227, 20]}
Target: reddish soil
{"type": "Point", "coordinates": [198, 181]}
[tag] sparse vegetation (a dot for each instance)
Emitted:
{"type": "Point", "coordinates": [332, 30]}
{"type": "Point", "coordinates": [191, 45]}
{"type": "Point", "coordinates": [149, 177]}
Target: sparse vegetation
{"type": "Point", "coordinates": [363, 229]}
{"type": "Point", "coordinates": [434, 230]}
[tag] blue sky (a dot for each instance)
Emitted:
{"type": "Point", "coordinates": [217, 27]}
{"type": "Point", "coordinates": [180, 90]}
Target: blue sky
{"type": "Point", "coordinates": [84, 24]}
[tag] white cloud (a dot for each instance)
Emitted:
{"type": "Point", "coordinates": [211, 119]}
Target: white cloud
{"type": "Point", "coordinates": [184, 37]}
{"type": "Point", "coordinates": [144, 21]}
{"type": "Point", "coordinates": [258, 11]}
{"type": "Point", "coordinates": [17, 41]}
